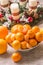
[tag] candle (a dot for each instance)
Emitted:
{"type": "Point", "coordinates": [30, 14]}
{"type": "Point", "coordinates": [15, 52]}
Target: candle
{"type": "Point", "coordinates": [15, 11]}
{"type": "Point", "coordinates": [4, 2]}
{"type": "Point", "coordinates": [14, 8]}
{"type": "Point", "coordinates": [33, 4]}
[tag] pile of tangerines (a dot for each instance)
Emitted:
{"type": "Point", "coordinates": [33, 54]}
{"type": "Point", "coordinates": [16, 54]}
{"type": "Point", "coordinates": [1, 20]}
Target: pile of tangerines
{"type": "Point", "coordinates": [19, 37]}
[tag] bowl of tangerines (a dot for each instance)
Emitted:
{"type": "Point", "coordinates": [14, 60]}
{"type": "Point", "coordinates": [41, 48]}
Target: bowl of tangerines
{"type": "Point", "coordinates": [24, 37]}
{"type": "Point", "coordinates": [20, 37]}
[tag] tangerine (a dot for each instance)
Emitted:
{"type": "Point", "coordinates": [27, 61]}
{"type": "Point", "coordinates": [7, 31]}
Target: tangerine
{"type": "Point", "coordinates": [26, 27]}
{"type": "Point", "coordinates": [20, 28]}
{"type": "Point", "coordinates": [29, 46]}
{"type": "Point", "coordinates": [26, 37]}
{"type": "Point", "coordinates": [35, 29]}
{"type": "Point", "coordinates": [14, 29]}
{"type": "Point", "coordinates": [8, 38]}
{"type": "Point", "coordinates": [13, 37]}
{"type": "Point", "coordinates": [3, 46]}
{"type": "Point", "coordinates": [16, 57]}
{"type": "Point", "coordinates": [16, 45]}
{"type": "Point", "coordinates": [39, 36]}
{"type": "Point", "coordinates": [32, 42]}
{"type": "Point", "coordinates": [31, 34]}
{"type": "Point", "coordinates": [24, 45]}
{"type": "Point", "coordinates": [19, 36]}
{"type": "Point", "coordinates": [3, 32]}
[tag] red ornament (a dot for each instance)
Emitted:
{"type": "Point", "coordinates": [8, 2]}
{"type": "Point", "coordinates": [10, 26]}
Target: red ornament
{"type": "Point", "coordinates": [11, 18]}
{"type": "Point", "coordinates": [1, 15]}
{"type": "Point", "coordinates": [30, 19]}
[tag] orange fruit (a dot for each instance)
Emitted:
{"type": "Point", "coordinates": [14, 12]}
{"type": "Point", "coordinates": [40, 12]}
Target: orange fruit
{"type": "Point", "coordinates": [13, 37]}
{"type": "Point", "coordinates": [20, 27]}
{"type": "Point", "coordinates": [16, 57]}
{"type": "Point", "coordinates": [31, 34]}
{"type": "Point", "coordinates": [26, 37]}
{"type": "Point", "coordinates": [39, 36]}
{"type": "Point", "coordinates": [35, 29]}
{"type": "Point", "coordinates": [14, 29]}
{"type": "Point", "coordinates": [8, 38]}
{"type": "Point", "coordinates": [41, 30]}
{"type": "Point", "coordinates": [3, 31]}
{"type": "Point", "coordinates": [16, 45]}
{"type": "Point", "coordinates": [3, 46]}
{"type": "Point", "coordinates": [29, 46]}
{"type": "Point", "coordinates": [19, 36]}
{"type": "Point", "coordinates": [26, 27]}
{"type": "Point", "coordinates": [33, 42]}
{"type": "Point", "coordinates": [24, 45]}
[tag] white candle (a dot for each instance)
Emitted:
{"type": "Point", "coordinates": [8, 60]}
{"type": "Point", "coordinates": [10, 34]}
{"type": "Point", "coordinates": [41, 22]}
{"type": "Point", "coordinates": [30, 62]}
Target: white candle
{"type": "Point", "coordinates": [4, 2]}
{"type": "Point", "coordinates": [32, 3]}
{"type": "Point", "coordinates": [14, 8]}
{"type": "Point", "coordinates": [15, 11]}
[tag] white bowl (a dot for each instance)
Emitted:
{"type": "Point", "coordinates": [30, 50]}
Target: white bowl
{"type": "Point", "coordinates": [24, 50]}
{"type": "Point", "coordinates": [28, 49]}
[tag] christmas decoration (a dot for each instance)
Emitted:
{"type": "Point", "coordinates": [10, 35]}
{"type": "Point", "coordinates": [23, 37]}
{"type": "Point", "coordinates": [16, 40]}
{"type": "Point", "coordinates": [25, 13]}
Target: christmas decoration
{"type": "Point", "coordinates": [22, 15]}
{"type": "Point", "coordinates": [30, 19]}
{"type": "Point", "coordinates": [1, 15]}
{"type": "Point", "coordinates": [10, 17]}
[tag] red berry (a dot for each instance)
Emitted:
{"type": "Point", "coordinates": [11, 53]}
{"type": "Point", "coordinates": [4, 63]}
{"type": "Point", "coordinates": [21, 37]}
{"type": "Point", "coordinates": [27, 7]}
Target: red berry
{"type": "Point", "coordinates": [30, 19]}
{"type": "Point", "coordinates": [10, 17]}
{"type": "Point", "coordinates": [1, 15]}
{"type": "Point", "coordinates": [18, 21]}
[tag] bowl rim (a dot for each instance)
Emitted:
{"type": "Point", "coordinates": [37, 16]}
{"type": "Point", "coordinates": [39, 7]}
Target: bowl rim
{"type": "Point", "coordinates": [23, 50]}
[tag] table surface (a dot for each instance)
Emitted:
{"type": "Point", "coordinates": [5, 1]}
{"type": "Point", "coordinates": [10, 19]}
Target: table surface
{"type": "Point", "coordinates": [33, 57]}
